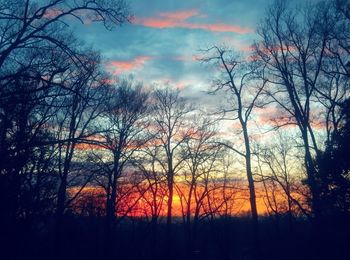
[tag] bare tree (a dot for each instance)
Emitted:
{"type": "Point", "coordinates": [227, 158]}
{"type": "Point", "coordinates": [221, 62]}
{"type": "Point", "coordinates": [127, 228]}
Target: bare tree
{"type": "Point", "coordinates": [200, 154]}
{"type": "Point", "coordinates": [24, 24]}
{"type": "Point", "coordinates": [294, 51]}
{"type": "Point", "coordinates": [38, 58]}
{"type": "Point", "coordinates": [170, 111]}
{"type": "Point", "coordinates": [155, 184]}
{"type": "Point", "coordinates": [171, 131]}
{"type": "Point", "coordinates": [147, 162]}
{"type": "Point", "coordinates": [280, 175]}
{"type": "Point", "coordinates": [123, 124]}
{"type": "Point", "coordinates": [81, 104]}
{"type": "Point", "coordinates": [237, 78]}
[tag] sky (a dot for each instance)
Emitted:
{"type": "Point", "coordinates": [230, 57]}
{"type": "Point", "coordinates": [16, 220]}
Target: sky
{"type": "Point", "coordinates": [163, 42]}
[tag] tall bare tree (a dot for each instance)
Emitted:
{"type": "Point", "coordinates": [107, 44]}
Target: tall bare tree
{"type": "Point", "coordinates": [81, 104]}
{"type": "Point", "coordinates": [299, 65]}
{"type": "Point", "coordinates": [237, 77]}
{"type": "Point", "coordinates": [200, 154]}
{"type": "Point", "coordinates": [122, 121]}
{"type": "Point", "coordinates": [171, 131]}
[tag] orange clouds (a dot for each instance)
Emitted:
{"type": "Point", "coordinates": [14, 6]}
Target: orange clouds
{"type": "Point", "coordinates": [119, 67]}
{"type": "Point", "coordinates": [179, 20]}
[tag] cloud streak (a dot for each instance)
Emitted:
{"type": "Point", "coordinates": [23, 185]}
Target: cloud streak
{"type": "Point", "coordinates": [121, 66]}
{"type": "Point", "coordinates": [179, 19]}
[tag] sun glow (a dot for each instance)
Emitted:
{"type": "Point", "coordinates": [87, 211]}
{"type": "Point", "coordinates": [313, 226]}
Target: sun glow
{"type": "Point", "coordinates": [213, 201]}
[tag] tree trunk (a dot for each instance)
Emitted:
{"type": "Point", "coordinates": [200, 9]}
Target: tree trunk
{"type": "Point", "coordinates": [311, 176]}
{"type": "Point", "coordinates": [169, 217]}
{"type": "Point", "coordinates": [110, 207]}
{"type": "Point", "coordinates": [61, 196]}
{"type": "Point", "coordinates": [252, 196]}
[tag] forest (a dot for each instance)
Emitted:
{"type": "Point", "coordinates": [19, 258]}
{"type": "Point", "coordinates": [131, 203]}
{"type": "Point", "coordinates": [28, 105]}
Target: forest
{"type": "Point", "coordinates": [95, 165]}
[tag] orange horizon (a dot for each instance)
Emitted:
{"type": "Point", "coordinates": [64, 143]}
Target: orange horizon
{"type": "Point", "coordinates": [139, 202]}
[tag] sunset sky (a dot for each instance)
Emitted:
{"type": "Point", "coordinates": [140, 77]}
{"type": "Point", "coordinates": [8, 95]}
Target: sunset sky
{"type": "Point", "coordinates": [163, 41]}
{"type": "Point", "coordinates": [174, 129]}
{"type": "Point", "coordinates": [162, 44]}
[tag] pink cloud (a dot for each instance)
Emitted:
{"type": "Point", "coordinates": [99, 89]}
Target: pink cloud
{"type": "Point", "coordinates": [275, 116]}
{"type": "Point", "coordinates": [181, 85]}
{"type": "Point", "coordinates": [221, 28]}
{"type": "Point", "coordinates": [179, 20]}
{"type": "Point", "coordinates": [177, 84]}
{"type": "Point", "coordinates": [119, 67]}
{"type": "Point", "coordinates": [52, 13]}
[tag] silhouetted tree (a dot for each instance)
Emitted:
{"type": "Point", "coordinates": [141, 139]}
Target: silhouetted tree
{"type": "Point", "coordinates": [281, 178]}
{"type": "Point", "coordinates": [28, 24]}
{"type": "Point", "coordinates": [155, 182]}
{"type": "Point", "coordinates": [80, 105]}
{"type": "Point", "coordinates": [334, 169]}
{"type": "Point", "coordinates": [38, 57]}
{"type": "Point", "coordinates": [200, 155]}
{"type": "Point", "coordinates": [171, 130]}
{"type": "Point", "coordinates": [170, 111]}
{"type": "Point", "coordinates": [294, 51]}
{"type": "Point", "coordinates": [237, 78]}
{"type": "Point", "coordinates": [122, 121]}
